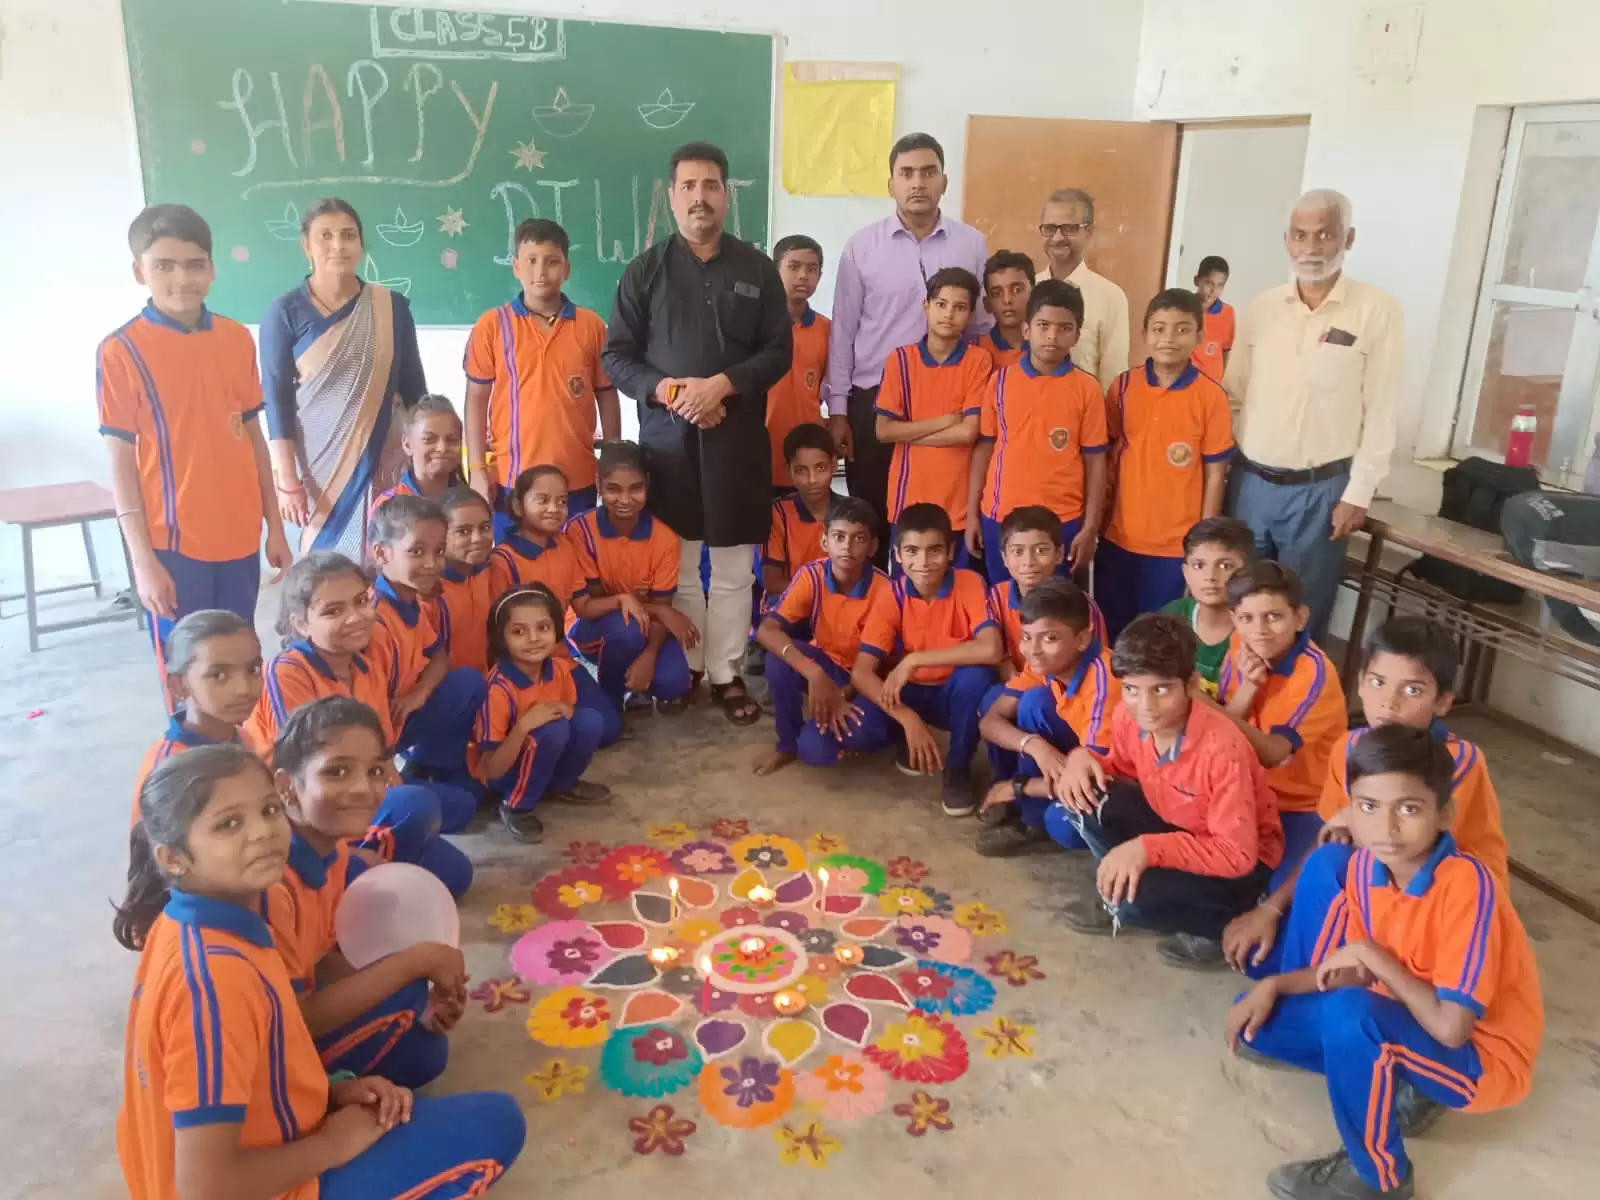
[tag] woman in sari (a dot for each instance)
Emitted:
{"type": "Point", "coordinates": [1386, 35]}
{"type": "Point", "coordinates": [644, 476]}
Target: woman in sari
{"type": "Point", "coordinates": [336, 353]}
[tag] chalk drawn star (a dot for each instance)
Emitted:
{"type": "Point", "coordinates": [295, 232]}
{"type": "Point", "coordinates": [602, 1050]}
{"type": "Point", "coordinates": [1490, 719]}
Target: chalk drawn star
{"type": "Point", "coordinates": [528, 156]}
{"type": "Point", "coordinates": [452, 223]}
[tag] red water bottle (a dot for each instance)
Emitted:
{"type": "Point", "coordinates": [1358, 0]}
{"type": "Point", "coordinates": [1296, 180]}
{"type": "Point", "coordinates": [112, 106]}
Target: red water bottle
{"type": "Point", "coordinates": [1519, 443]}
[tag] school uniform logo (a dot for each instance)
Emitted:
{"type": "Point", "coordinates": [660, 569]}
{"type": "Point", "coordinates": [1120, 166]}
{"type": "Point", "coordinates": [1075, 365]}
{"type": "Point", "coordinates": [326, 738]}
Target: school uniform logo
{"type": "Point", "coordinates": [811, 381]}
{"type": "Point", "coordinates": [1212, 350]}
{"type": "Point", "coordinates": [1059, 437]}
{"type": "Point", "coordinates": [575, 386]}
{"type": "Point", "coordinates": [236, 424]}
{"type": "Point", "coordinates": [1180, 454]}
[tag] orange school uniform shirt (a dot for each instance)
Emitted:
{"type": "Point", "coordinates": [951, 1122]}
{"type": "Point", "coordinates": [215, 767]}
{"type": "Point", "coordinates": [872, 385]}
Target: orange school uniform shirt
{"type": "Point", "coordinates": [214, 1037]}
{"type": "Point", "coordinates": [1161, 440]}
{"type": "Point", "coordinates": [519, 560]}
{"type": "Point", "coordinates": [178, 738]}
{"type": "Point", "coordinates": [644, 562]}
{"type": "Point", "coordinates": [900, 620]}
{"type": "Point", "coordinates": [1303, 701]}
{"type": "Point", "coordinates": [300, 908]}
{"type": "Point", "coordinates": [1041, 427]}
{"type": "Point", "coordinates": [796, 536]}
{"type": "Point", "coordinates": [298, 674]}
{"type": "Point", "coordinates": [1216, 337]}
{"type": "Point", "coordinates": [917, 387]}
{"type": "Point", "coordinates": [1005, 610]}
{"type": "Point", "coordinates": [543, 376]}
{"type": "Point", "coordinates": [1453, 926]}
{"type": "Point", "coordinates": [833, 617]}
{"type": "Point", "coordinates": [796, 399]}
{"type": "Point", "coordinates": [185, 399]}
{"type": "Point", "coordinates": [1085, 698]}
{"type": "Point", "coordinates": [466, 595]}
{"type": "Point", "coordinates": [407, 636]}
{"type": "Point", "coordinates": [513, 692]}
{"type": "Point", "coordinates": [1002, 352]}
{"type": "Point", "coordinates": [1210, 785]}
{"type": "Point", "coordinates": [1476, 823]}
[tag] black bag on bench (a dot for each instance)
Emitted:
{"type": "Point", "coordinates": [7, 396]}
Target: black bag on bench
{"type": "Point", "coordinates": [1475, 493]}
{"type": "Point", "coordinates": [1559, 534]}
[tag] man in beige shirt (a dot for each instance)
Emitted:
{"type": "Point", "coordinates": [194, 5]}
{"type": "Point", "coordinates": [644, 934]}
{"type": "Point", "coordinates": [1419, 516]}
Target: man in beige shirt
{"type": "Point", "coordinates": [1313, 376]}
{"type": "Point", "coordinates": [1067, 226]}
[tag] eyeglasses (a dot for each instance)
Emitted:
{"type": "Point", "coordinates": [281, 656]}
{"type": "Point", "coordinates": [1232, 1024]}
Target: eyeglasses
{"type": "Point", "coordinates": [1049, 231]}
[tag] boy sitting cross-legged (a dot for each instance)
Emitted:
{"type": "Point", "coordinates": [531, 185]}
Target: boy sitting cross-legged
{"type": "Point", "coordinates": [1178, 813]}
{"type": "Point", "coordinates": [1062, 699]}
{"type": "Point", "coordinates": [812, 639]}
{"type": "Point", "coordinates": [933, 625]}
{"type": "Point", "coordinates": [1421, 991]}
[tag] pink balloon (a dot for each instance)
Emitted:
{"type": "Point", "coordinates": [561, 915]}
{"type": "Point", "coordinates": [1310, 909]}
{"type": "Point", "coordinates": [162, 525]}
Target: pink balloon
{"type": "Point", "coordinates": [393, 906]}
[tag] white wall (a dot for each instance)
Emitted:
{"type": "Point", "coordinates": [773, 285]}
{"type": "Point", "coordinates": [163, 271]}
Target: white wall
{"type": "Point", "coordinates": [72, 183]}
{"type": "Point", "coordinates": [1234, 182]}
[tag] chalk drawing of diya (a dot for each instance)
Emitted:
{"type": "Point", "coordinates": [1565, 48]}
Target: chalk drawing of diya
{"type": "Point", "coordinates": [665, 112]}
{"type": "Point", "coordinates": [287, 227]}
{"type": "Point", "coordinates": [369, 272]}
{"type": "Point", "coordinates": [401, 232]}
{"type": "Point", "coordinates": [561, 118]}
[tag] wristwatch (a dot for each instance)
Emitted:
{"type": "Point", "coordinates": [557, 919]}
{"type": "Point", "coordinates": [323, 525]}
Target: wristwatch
{"type": "Point", "coordinates": [1019, 787]}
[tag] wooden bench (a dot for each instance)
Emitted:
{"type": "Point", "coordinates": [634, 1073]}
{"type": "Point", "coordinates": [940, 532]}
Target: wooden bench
{"type": "Point", "coordinates": [81, 503]}
{"type": "Point", "coordinates": [1485, 630]}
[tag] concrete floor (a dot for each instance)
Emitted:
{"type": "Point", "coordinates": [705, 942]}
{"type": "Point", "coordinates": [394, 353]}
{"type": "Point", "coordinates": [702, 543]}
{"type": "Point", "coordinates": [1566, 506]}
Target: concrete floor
{"type": "Point", "coordinates": [1130, 1092]}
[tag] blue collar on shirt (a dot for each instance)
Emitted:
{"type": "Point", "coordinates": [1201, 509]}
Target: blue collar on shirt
{"type": "Point", "coordinates": [320, 664]}
{"type": "Point", "coordinates": [1216, 306]}
{"type": "Point", "coordinates": [523, 544]}
{"type": "Point", "coordinates": [307, 863]}
{"type": "Point", "coordinates": [1000, 342]}
{"type": "Point", "coordinates": [1285, 665]}
{"type": "Point", "coordinates": [211, 913]}
{"type": "Point", "coordinates": [1380, 875]}
{"type": "Point", "coordinates": [1185, 377]}
{"type": "Point", "coordinates": [156, 317]}
{"type": "Point", "coordinates": [408, 478]}
{"type": "Point", "coordinates": [1085, 661]}
{"type": "Point", "coordinates": [802, 509]}
{"type": "Point", "coordinates": [857, 590]}
{"type": "Point", "coordinates": [1032, 372]}
{"type": "Point", "coordinates": [1013, 596]}
{"type": "Point", "coordinates": [946, 585]}
{"type": "Point", "coordinates": [641, 531]}
{"type": "Point", "coordinates": [928, 360]}
{"type": "Point", "coordinates": [410, 610]}
{"type": "Point", "coordinates": [519, 677]}
{"type": "Point", "coordinates": [808, 317]}
{"type": "Point", "coordinates": [457, 575]}
{"type": "Point", "coordinates": [178, 732]}
{"type": "Point", "coordinates": [567, 312]}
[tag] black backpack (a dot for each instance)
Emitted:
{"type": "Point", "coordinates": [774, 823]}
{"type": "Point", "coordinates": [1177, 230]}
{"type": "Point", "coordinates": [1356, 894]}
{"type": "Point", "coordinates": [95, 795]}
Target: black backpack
{"type": "Point", "coordinates": [1557, 533]}
{"type": "Point", "coordinates": [1475, 493]}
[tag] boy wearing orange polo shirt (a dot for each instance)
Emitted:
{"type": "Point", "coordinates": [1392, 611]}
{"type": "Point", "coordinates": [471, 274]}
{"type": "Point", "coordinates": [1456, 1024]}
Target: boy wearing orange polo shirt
{"type": "Point", "coordinates": [1422, 992]}
{"type": "Point", "coordinates": [1063, 698]}
{"type": "Point", "coordinates": [1178, 813]}
{"type": "Point", "coordinates": [179, 397]}
{"type": "Point", "coordinates": [1031, 538]}
{"type": "Point", "coordinates": [928, 406]}
{"type": "Point", "coordinates": [1216, 338]}
{"type": "Point", "coordinates": [1042, 437]}
{"type": "Point", "coordinates": [534, 381]}
{"type": "Point", "coordinates": [1171, 438]}
{"type": "Point", "coordinates": [812, 639]}
{"type": "Point", "coordinates": [798, 518]}
{"type": "Point", "coordinates": [1007, 283]}
{"type": "Point", "coordinates": [935, 623]}
{"type": "Point", "coordinates": [796, 399]}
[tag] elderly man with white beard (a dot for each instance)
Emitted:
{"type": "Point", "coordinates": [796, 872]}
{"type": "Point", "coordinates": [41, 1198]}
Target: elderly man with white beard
{"type": "Point", "coordinates": [1313, 377]}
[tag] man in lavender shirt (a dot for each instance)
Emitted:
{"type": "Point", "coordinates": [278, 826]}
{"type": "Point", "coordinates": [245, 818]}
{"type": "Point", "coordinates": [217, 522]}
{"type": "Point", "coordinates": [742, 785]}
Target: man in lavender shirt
{"type": "Point", "coordinates": [877, 305]}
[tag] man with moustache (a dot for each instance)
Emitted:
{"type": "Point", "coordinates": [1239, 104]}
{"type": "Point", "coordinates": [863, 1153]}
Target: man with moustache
{"type": "Point", "coordinates": [1314, 373]}
{"type": "Point", "coordinates": [1066, 225]}
{"type": "Point", "coordinates": [877, 307]}
{"type": "Point", "coordinates": [699, 332]}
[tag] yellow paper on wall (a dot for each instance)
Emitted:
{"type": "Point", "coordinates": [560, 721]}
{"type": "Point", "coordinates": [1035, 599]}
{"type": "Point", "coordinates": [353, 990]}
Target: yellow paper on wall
{"type": "Point", "coordinates": [838, 125]}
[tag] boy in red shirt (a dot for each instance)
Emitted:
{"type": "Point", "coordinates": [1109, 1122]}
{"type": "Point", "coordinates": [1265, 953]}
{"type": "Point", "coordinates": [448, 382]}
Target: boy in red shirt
{"type": "Point", "coordinates": [796, 399]}
{"type": "Point", "coordinates": [928, 407]}
{"type": "Point", "coordinates": [535, 385]}
{"type": "Point", "coordinates": [1216, 338]}
{"type": "Point", "coordinates": [1171, 438]}
{"type": "Point", "coordinates": [1007, 283]}
{"type": "Point", "coordinates": [179, 397]}
{"type": "Point", "coordinates": [934, 625]}
{"type": "Point", "coordinates": [1178, 813]}
{"type": "Point", "coordinates": [1421, 993]}
{"type": "Point", "coordinates": [1042, 437]}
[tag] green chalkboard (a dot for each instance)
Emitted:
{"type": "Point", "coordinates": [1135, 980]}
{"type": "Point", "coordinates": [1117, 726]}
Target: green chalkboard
{"type": "Point", "coordinates": [443, 128]}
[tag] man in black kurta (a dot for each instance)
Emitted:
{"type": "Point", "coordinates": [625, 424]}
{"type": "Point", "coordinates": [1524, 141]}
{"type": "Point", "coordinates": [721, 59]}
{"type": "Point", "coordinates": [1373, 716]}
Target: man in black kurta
{"type": "Point", "coordinates": [699, 332]}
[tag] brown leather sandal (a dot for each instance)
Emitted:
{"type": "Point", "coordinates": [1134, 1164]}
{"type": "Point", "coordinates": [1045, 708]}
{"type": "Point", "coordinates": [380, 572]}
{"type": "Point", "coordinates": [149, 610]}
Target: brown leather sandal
{"type": "Point", "coordinates": [737, 704]}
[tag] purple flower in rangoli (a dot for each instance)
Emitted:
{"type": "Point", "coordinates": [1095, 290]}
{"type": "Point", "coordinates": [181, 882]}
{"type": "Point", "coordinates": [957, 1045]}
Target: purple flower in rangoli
{"type": "Point", "coordinates": [919, 939]}
{"type": "Point", "coordinates": [766, 856]}
{"type": "Point", "coordinates": [789, 922]}
{"type": "Point", "coordinates": [574, 956]}
{"type": "Point", "coordinates": [658, 1047]}
{"type": "Point", "coordinates": [751, 1082]}
{"type": "Point", "coordinates": [702, 858]}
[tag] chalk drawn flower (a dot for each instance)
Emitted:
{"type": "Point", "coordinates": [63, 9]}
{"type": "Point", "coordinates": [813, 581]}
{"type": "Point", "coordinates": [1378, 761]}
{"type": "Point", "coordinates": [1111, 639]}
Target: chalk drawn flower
{"type": "Point", "coordinates": [1016, 969]}
{"type": "Point", "coordinates": [921, 1048]}
{"type": "Point", "coordinates": [818, 941]}
{"type": "Point", "coordinates": [934, 937]}
{"type": "Point", "coordinates": [942, 988]}
{"type": "Point", "coordinates": [633, 866]}
{"type": "Point", "coordinates": [691, 931]}
{"type": "Point", "coordinates": [940, 903]}
{"type": "Point", "coordinates": [497, 993]}
{"type": "Point", "coordinates": [571, 1017]}
{"type": "Point", "coordinates": [814, 988]}
{"type": "Point", "coordinates": [905, 901]}
{"type": "Point", "coordinates": [658, 1049]}
{"type": "Point", "coordinates": [979, 919]}
{"type": "Point", "coordinates": [513, 918]}
{"type": "Point", "coordinates": [1007, 1039]}
{"type": "Point", "coordinates": [823, 966]}
{"type": "Point", "coordinates": [558, 1078]}
{"type": "Point", "coordinates": [751, 1082]}
{"type": "Point", "coordinates": [924, 1112]}
{"type": "Point", "coordinates": [703, 858]}
{"type": "Point", "coordinates": [653, 1061]}
{"type": "Point", "coordinates": [740, 914]}
{"type": "Point", "coordinates": [576, 895]}
{"type": "Point", "coordinates": [925, 985]}
{"type": "Point", "coordinates": [660, 1129]}
{"type": "Point", "coordinates": [671, 835]}
{"type": "Point", "coordinates": [907, 870]}
{"type": "Point", "coordinates": [825, 843]}
{"type": "Point", "coordinates": [585, 854]}
{"type": "Point", "coordinates": [562, 893]}
{"type": "Point", "coordinates": [767, 851]}
{"type": "Point", "coordinates": [844, 1088]}
{"type": "Point", "coordinates": [917, 938]}
{"type": "Point", "coordinates": [728, 830]}
{"type": "Point", "coordinates": [752, 1093]}
{"type": "Point", "coordinates": [789, 922]}
{"type": "Point", "coordinates": [810, 1145]}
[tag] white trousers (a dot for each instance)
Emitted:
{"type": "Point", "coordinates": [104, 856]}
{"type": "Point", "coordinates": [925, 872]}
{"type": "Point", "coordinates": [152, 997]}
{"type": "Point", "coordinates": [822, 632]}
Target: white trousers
{"type": "Point", "coordinates": [723, 616]}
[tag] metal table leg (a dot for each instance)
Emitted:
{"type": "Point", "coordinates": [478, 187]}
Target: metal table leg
{"type": "Point", "coordinates": [28, 592]}
{"type": "Point", "coordinates": [88, 552]}
{"type": "Point", "coordinates": [1358, 623]}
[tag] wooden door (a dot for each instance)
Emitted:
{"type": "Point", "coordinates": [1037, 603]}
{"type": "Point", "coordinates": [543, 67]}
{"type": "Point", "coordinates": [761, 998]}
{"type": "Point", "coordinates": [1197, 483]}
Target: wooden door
{"type": "Point", "coordinates": [1129, 167]}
